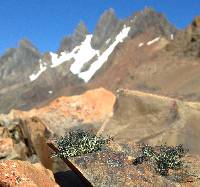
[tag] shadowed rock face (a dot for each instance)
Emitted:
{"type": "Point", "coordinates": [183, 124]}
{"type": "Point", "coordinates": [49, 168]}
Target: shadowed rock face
{"type": "Point", "coordinates": [187, 41]}
{"type": "Point", "coordinates": [68, 178]}
{"type": "Point", "coordinates": [17, 64]}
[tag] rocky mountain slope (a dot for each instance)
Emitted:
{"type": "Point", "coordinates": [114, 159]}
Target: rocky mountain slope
{"type": "Point", "coordinates": [153, 65]}
{"type": "Point", "coordinates": [81, 57]}
{"type": "Point", "coordinates": [153, 119]}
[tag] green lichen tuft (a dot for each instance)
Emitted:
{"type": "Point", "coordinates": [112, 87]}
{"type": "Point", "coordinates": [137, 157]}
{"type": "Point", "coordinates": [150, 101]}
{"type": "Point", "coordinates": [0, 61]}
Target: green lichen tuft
{"type": "Point", "coordinates": [162, 158]}
{"type": "Point", "coordinates": [78, 142]}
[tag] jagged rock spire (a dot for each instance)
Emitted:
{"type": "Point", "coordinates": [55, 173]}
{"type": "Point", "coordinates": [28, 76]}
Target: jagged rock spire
{"type": "Point", "coordinates": [81, 29]}
{"type": "Point", "coordinates": [69, 42]}
{"type": "Point", "coordinates": [107, 26]}
{"type": "Point", "coordinates": [148, 19]}
{"type": "Point", "coordinates": [25, 44]}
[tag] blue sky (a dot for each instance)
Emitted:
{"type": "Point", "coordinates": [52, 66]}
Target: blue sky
{"type": "Point", "coordinates": [46, 22]}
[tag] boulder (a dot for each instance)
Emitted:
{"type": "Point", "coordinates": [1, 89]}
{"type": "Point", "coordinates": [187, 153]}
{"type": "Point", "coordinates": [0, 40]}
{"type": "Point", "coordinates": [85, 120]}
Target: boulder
{"type": "Point", "coordinates": [10, 146]}
{"type": "Point", "coordinates": [92, 107]}
{"type": "Point", "coordinates": [34, 132]}
{"type": "Point", "coordinates": [20, 173]}
{"type": "Point", "coordinates": [6, 147]}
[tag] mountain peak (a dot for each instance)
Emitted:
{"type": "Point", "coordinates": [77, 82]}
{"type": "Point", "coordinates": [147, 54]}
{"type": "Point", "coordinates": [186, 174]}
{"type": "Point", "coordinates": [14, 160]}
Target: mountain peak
{"type": "Point", "coordinates": [148, 10]}
{"type": "Point", "coordinates": [107, 26]}
{"type": "Point", "coordinates": [196, 22]}
{"type": "Point", "coordinates": [148, 19]}
{"type": "Point", "coordinates": [79, 35]}
{"type": "Point", "coordinates": [81, 28]}
{"type": "Point", "coordinates": [25, 44]}
{"type": "Point", "coordinates": [109, 12]}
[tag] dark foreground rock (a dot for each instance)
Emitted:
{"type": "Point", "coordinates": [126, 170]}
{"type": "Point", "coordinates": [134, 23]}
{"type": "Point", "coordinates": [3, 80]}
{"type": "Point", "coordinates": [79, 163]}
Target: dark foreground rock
{"type": "Point", "coordinates": [68, 178]}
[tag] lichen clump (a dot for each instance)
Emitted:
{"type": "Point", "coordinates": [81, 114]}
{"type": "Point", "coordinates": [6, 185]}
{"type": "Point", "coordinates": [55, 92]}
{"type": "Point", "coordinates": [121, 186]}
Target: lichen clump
{"type": "Point", "coordinates": [78, 142]}
{"type": "Point", "coordinates": [162, 158]}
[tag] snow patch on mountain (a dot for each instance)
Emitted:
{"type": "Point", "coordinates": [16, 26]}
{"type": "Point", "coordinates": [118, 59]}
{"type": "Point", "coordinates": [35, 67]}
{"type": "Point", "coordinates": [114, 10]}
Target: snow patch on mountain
{"type": "Point", "coordinates": [84, 54]}
{"type": "Point", "coordinates": [87, 75]}
{"type": "Point", "coordinates": [34, 76]}
{"type": "Point", "coordinates": [140, 44]}
{"type": "Point", "coordinates": [108, 40]}
{"type": "Point", "coordinates": [59, 59]}
{"type": "Point", "coordinates": [153, 41]}
{"type": "Point", "coordinates": [81, 55]}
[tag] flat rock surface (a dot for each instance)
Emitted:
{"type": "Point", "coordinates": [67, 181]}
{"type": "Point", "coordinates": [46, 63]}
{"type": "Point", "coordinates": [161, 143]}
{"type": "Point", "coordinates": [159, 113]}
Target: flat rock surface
{"type": "Point", "coordinates": [113, 167]}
